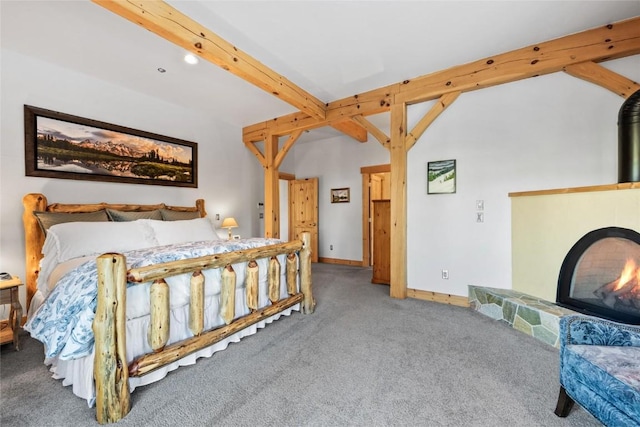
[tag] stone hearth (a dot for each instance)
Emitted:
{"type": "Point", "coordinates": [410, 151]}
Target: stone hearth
{"type": "Point", "coordinates": [526, 313]}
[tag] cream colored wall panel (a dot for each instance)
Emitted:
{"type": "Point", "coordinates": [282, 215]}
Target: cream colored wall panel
{"type": "Point", "coordinates": [545, 227]}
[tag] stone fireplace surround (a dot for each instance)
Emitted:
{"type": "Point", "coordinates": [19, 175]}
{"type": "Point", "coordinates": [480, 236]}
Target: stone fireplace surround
{"type": "Point", "coordinates": [544, 227]}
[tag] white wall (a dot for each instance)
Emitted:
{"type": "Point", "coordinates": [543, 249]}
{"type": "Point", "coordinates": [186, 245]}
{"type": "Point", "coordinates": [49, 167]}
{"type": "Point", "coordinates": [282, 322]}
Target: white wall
{"type": "Point", "coordinates": [336, 162]}
{"type": "Point", "coordinates": [230, 179]}
{"type": "Point", "coordinates": [547, 132]}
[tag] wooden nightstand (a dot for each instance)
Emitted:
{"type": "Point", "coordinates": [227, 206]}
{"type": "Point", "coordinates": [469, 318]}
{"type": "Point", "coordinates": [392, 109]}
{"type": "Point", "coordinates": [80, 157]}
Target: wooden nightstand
{"type": "Point", "coordinates": [9, 295]}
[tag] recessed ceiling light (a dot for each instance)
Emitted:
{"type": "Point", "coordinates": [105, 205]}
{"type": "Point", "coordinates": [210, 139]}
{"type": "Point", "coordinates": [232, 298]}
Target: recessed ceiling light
{"type": "Point", "coordinates": [161, 70]}
{"type": "Point", "coordinates": [190, 58]}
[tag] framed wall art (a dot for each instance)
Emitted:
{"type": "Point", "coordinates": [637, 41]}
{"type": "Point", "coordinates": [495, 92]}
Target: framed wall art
{"type": "Point", "coordinates": [59, 145]}
{"type": "Point", "coordinates": [339, 195]}
{"type": "Point", "coordinates": [441, 177]}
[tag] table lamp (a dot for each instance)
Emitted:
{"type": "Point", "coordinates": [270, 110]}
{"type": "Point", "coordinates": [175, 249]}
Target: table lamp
{"type": "Point", "coordinates": [229, 223]}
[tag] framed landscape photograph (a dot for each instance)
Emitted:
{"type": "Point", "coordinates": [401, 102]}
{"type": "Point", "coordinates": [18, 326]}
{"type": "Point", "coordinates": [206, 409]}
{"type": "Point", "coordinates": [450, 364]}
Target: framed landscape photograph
{"type": "Point", "coordinates": [339, 195]}
{"type": "Point", "coordinates": [441, 177]}
{"type": "Point", "coordinates": [59, 145]}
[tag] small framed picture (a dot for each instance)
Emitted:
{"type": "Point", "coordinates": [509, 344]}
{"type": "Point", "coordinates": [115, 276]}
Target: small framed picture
{"type": "Point", "coordinates": [441, 177]}
{"type": "Point", "coordinates": [339, 195]}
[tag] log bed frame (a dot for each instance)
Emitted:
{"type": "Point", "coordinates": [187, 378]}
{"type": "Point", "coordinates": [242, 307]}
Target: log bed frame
{"type": "Point", "coordinates": [109, 326]}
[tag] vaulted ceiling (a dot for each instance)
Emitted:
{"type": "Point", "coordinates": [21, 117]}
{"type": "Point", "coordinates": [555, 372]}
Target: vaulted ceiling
{"type": "Point", "coordinates": [331, 49]}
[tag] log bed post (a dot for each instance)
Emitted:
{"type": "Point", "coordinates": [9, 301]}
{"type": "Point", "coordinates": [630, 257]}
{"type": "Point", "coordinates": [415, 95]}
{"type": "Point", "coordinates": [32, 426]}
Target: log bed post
{"type": "Point", "coordinates": [292, 273]}
{"type": "Point", "coordinates": [158, 335]}
{"type": "Point", "coordinates": [273, 279]}
{"type": "Point", "coordinates": [309, 302]}
{"type": "Point", "coordinates": [196, 305]}
{"type": "Point", "coordinates": [252, 285]}
{"type": "Point", "coordinates": [34, 240]}
{"type": "Point", "coordinates": [110, 366]}
{"type": "Point", "coordinates": [228, 294]}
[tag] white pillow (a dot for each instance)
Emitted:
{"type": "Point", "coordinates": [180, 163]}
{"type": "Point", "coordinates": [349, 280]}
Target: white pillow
{"type": "Point", "coordinates": [78, 239]}
{"type": "Point", "coordinates": [191, 230]}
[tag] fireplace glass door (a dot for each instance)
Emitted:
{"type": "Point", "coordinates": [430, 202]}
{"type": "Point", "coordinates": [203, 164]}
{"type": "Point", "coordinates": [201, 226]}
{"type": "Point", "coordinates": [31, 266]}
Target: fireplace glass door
{"type": "Point", "coordinates": [601, 275]}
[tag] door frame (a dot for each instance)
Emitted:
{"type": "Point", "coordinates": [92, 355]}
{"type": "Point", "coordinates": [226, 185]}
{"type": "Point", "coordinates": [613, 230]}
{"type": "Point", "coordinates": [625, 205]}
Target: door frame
{"type": "Point", "coordinates": [366, 172]}
{"type": "Point", "coordinates": [284, 176]}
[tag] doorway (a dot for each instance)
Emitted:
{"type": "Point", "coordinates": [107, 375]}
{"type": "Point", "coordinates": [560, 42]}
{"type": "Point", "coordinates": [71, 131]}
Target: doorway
{"type": "Point", "coordinates": [376, 185]}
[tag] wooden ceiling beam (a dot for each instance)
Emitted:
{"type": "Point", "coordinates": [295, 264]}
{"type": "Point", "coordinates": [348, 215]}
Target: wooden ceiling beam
{"type": "Point", "coordinates": [286, 147]}
{"type": "Point", "coordinates": [372, 102]}
{"type": "Point", "coordinates": [441, 105]}
{"type": "Point", "coordinates": [604, 43]}
{"type": "Point", "coordinates": [351, 128]}
{"type": "Point", "coordinates": [599, 44]}
{"type": "Point", "coordinates": [256, 152]}
{"type": "Point", "coordinates": [597, 74]}
{"type": "Point", "coordinates": [169, 23]}
{"type": "Point", "coordinates": [374, 130]}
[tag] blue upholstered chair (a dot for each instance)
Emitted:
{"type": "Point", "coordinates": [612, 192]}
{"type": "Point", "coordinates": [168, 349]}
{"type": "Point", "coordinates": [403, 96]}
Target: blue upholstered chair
{"type": "Point", "coordinates": [600, 369]}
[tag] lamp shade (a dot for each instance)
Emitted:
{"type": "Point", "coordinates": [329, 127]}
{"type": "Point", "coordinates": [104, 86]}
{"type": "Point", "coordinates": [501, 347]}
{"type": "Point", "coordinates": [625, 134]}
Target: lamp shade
{"type": "Point", "coordinates": [229, 223]}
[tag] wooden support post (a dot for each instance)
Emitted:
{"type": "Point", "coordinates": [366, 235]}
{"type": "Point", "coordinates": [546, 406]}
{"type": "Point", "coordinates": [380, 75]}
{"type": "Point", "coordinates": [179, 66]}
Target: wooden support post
{"type": "Point", "coordinates": [306, 285]}
{"type": "Point", "coordinates": [228, 294]}
{"type": "Point", "coordinates": [271, 189]}
{"type": "Point", "coordinates": [251, 287]}
{"type": "Point", "coordinates": [158, 315]}
{"type": "Point", "coordinates": [109, 329]}
{"type": "Point", "coordinates": [196, 304]}
{"type": "Point", "coordinates": [292, 274]}
{"type": "Point", "coordinates": [274, 279]}
{"type": "Point", "coordinates": [398, 150]}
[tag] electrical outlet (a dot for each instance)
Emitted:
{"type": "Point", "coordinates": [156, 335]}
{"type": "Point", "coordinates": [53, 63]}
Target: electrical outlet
{"type": "Point", "coordinates": [217, 217]}
{"type": "Point", "coordinates": [480, 205]}
{"type": "Point", "coordinates": [445, 274]}
{"type": "Point", "coordinates": [479, 216]}
{"type": "Point", "coordinates": [330, 247]}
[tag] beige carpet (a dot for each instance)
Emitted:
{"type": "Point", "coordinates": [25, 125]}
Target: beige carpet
{"type": "Point", "coordinates": [362, 359]}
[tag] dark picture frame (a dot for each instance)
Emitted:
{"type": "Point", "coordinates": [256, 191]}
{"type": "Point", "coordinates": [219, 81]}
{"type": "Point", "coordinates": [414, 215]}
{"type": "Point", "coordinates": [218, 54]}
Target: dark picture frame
{"type": "Point", "coordinates": [340, 195]}
{"type": "Point", "coordinates": [441, 177]}
{"type": "Point", "coordinates": [59, 145]}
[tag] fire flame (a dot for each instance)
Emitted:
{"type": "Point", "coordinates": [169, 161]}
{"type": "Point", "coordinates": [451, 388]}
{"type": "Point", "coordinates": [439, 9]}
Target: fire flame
{"type": "Point", "coordinates": [625, 290]}
{"type": "Point", "coordinates": [628, 273]}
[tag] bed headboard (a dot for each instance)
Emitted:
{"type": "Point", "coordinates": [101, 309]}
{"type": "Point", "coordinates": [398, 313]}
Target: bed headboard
{"type": "Point", "coordinates": [34, 236]}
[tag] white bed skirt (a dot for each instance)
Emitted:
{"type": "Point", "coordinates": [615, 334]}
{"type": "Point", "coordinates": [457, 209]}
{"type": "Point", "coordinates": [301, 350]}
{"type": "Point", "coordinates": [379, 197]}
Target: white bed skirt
{"type": "Point", "coordinates": [78, 373]}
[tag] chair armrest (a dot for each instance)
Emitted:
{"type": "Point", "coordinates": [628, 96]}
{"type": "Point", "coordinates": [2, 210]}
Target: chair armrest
{"type": "Point", "coordinates": [588, 330]}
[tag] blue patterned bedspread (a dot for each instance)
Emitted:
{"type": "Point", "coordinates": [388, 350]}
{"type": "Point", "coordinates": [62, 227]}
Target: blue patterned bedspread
{"type": "Point", "coordinates": [64, 321]}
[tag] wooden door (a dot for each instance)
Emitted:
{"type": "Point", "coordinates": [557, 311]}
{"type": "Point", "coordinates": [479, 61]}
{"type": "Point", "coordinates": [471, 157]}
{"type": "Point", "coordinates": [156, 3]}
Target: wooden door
{"type": "Point", "coordinates": [378, 189]}
{"type": "Point", "coordinates": [303, 211]}
{"type": "Point", "coordinates": [375, 193]}
{"type": "Point", "coordinates": [381, 241]}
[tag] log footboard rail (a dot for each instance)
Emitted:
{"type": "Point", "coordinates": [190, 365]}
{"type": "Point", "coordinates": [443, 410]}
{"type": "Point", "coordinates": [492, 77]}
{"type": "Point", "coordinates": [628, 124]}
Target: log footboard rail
{"type": "Point", "coordinates": [111, 370]}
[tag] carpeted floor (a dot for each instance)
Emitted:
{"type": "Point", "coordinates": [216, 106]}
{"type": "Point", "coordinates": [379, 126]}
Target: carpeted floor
{"type": "Point", "coordinates": [361, 359]}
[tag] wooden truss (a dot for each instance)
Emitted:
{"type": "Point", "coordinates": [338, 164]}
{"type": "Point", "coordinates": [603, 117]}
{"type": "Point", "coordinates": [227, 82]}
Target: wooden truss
{"type": "Point", "coordinates": [577, 54]}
